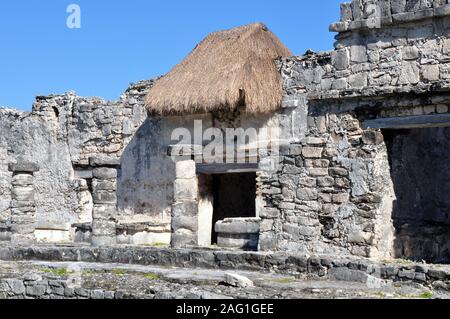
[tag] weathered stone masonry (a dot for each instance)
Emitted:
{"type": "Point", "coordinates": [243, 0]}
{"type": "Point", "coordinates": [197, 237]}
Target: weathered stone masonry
{"type": "Point", "coordinates": [335, 191]}
{"type": "Point", "coordinates": [23, 209]}
{"type": "Point", "coordinates": [362, 170]}
{"type": "Point", "coordinates": [61, 135]}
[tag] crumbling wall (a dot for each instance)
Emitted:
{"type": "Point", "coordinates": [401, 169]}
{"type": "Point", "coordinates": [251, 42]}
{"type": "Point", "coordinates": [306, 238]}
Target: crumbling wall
{"type": "Point", "coordinates": [333, 192]}
{"type": "Point", "coordinates": [329, 195]}
{"type": "Point", "coordinates": [60, 135]}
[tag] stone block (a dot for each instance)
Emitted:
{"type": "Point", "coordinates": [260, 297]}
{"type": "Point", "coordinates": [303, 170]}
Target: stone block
{"type": "Point", "coordinates": [23, 225]}
{"type": "Point", "coordinates": [183, 238]}
{"type": "Point", "coordinates": [326, 181]}
{"type": "Point", "coordinates": [104, 173]}
{"type": "Point", "coordinates": [358, 80]}
{"type": "Point", "coordinates": [441, 108]}
{"type": "Point", "coordinates": [185, 208]}
{"type": "Point", "coordinates": [22, 180]}
{"type": "Point", "coordinates": [185, 222]}
{"type": "Point", "coordinates": [97, 294]}
{"type": "Point", "coordinates": [317, 172]}
{"type": "Point", "coordinates": [16, 285]}
{"type": "Point", "coordinates": [23, 167]}
{"type": "Point", "coordinates": [312, 152]}
{"type": "Point", "coordinates": [372, 137]}
{"type": "Point", "coordinates": [104, 197]}
{"type": "Point", "coordinates": [238, 241]}
{"type": "Point", "coordinates": [346, 12]}
{"type": "Point", "coordinates": [295, 149]}
{"type": "Point", "coordinates": [341, 198]}
{"type": "Point", "coordinates": [103, 240]}
{"type": "Point", "coordinates": [104, 185]}
{"type": "Point", "coordinates": [308, 194]}
{"type": "Point", "coordinates": [185, 169]}
{"type": "Point", "coordinates": [430, 72]}
{"type": "Point", "coordinates": [185, 189]}
{"type": "Point", "coordinates": [307, 182]}
{"type": "Point", "coordinates": [269, 213]}
{"type": "Point", "coordinates": [23, 239]}
{"type": "Point", "coordinates": [340, 59]}
{"type": "Point", "coordinates": [315, 141]}
{"type": "Point", "coordinates": [103, 228]}
{"type": "Point", "coordinates": [22, 211]}
{"type": "Point", "coordinates": [360, 238]}
{"type": "Point", "coordinates": [358, 53]}
{"type": "Point", "coordinates": [339, 84]}
{"type": "Point", "coordinates": [21, 204]}
{"type": "Point", "coordinates": [239, 281]}
{"type": "Point", "coordinates": [267, 241]}
{"type": "Point", "coordinates": [338, 171]}
{"type": "Point", "coordinates": [23, 194]}
{"type": "Point", "coordinates": [111, 162]}
{"type": "Point", "coordinates": [104, 212]}
{"type": "Point", "coordinates": [410, 53]}
{"type": "Point", "coordinates": [36, 290]}
{"type": "Point", "coordinates": [409, 73]}
{"type": "Point", "coordinates": [238, 226]}
{"type": "Point", "coordinates": [266, 225]}
{"type": "Point", "coordinates": [325, 197]}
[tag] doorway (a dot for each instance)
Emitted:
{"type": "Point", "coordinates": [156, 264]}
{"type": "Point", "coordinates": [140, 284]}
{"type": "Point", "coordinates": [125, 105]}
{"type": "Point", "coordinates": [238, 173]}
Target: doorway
{"type": "Point", "coordinates": [420, 170]}
{"type": "Point", "coordinates": [221, 196]}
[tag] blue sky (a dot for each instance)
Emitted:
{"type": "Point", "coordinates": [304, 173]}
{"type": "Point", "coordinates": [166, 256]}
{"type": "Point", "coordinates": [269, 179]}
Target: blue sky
{"type": "Point", "coordinates": [125, 41]}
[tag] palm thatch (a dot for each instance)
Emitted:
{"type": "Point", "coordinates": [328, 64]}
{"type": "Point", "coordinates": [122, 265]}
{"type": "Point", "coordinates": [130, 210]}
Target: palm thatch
{"type": "Point", "coordinates": [226, 70]}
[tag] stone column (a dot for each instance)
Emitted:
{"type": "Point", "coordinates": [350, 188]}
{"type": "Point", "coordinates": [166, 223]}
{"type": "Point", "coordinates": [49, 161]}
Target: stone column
{"type": "Point", "coordinates": [185, 207]}
{"type": "Point", "coordinates": [23, 207]}
{"type": "Point", "coordinates": [104, 215]}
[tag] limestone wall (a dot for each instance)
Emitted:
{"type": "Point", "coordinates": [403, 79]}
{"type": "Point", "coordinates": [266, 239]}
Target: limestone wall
{"type": "Point", "coordinates": [60, 135]}
{"type": "Point", "coordinates": [335, 190]}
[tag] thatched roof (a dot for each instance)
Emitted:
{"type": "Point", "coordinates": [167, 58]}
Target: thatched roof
{"type": "Point", "coordinates": [227, 69]}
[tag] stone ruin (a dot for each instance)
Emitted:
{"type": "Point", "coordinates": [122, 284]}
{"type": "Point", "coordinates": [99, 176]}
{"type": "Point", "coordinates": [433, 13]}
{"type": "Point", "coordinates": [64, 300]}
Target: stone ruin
{"type": "Point", "coordinates": [363, 167]}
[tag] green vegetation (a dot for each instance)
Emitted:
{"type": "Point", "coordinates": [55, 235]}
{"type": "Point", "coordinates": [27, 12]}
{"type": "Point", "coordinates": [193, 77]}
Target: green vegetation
{"type": "Point", "coordinates": [285, 280]}
{"type": "Point", "coordinates": [397, 261]}
{"type": "Point", "coordinates": [157, 244]}
{"type": "Point", "coordinates": [152, 276]}
{"type": "Point", "coordinates": [59, 272]}
{"type": "Point", "coordinates": [118, 272]}
{"type": "Point", "coordinates": [426, 295]}
{"type": "Point", "coordinates": [160, 245]}
{"type": "Point", "coordinates": [91, 272]}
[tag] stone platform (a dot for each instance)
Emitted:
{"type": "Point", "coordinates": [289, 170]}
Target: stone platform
{"type": "Point", "coordinates": [80, 280]}
{"type": "Point", "coordinates": [207, 267]}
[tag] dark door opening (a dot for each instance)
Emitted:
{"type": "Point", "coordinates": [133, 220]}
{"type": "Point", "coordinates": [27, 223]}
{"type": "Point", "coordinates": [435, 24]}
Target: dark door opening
{"type": "Point", "coordinates": [420, 170]}
{"type": "Point", "coordinates": [234, 196]}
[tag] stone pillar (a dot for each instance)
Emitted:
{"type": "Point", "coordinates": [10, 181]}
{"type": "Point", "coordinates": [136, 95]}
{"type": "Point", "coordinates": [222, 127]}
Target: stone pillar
{"type": "Point", "coordinates": [185, 207]}
{"type": "Point", "coordinates": [23, 207]}
{"type": "Point", "coordinates": [104, 215]}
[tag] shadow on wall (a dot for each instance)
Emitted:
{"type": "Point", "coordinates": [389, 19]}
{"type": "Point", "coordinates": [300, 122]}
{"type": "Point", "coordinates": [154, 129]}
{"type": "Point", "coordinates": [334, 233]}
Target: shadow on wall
{"type": "Point", "coordinates": [145, 184]}
{"type": "Point", "coordinates": [420, 169]}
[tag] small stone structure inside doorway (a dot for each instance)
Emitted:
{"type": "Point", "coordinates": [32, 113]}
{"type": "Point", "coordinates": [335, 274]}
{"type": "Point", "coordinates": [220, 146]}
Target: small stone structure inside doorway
{"type": "Point", "coordinates": [228, 206]}
{"type": "Point", "coordinates": [215, 205]}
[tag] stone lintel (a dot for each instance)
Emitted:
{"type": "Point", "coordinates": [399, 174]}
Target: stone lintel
{"type": "Point", "coordinates": [227, 168]}
{"type": "Point", "coordinates": [113, 162]}
{"type": "Point", "coordinates": [408, 122]}
{"type": "Point", "coordinates": [23, 167]}
{"type": "Point", "coordinates": [238, 226]}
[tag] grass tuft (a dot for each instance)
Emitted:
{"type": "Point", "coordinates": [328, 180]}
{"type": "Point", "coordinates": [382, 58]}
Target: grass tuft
{"type": "Point", "coordinates": [59, 272]}
{"type": "Point", "coordinates": [152, 276]}
{"type": "Point", "coordinates": [285, 280]}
